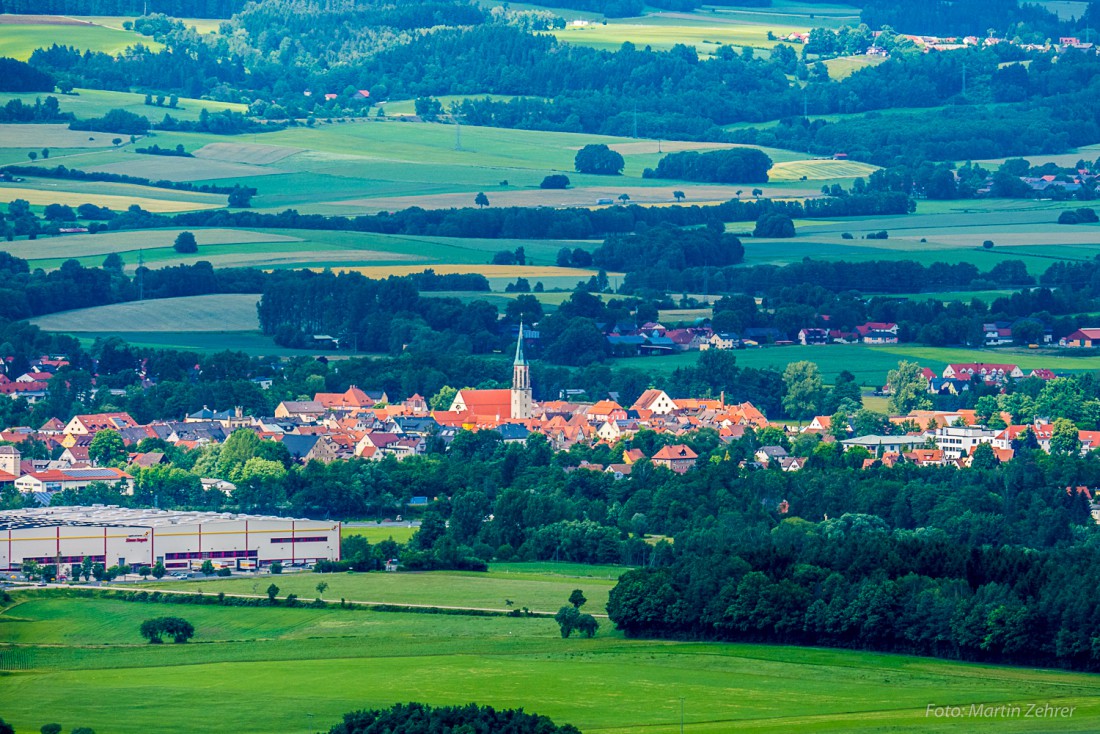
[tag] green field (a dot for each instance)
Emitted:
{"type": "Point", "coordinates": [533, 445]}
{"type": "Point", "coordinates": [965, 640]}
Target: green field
{"type": "Point", "coordinates": [85, 103]}
{"type": "Point", "coordinates": [20, 40]}
{"type": "Point", "coordinates": [81, 661]}
{"type": "Point", "coordinates": [378, 533]}
{"type": "Point", "coordinates": [532, 588]}
{"type": "Point", "coordinates": [952, 231]}
{"type": "Point", "coordinates": [870, 363]}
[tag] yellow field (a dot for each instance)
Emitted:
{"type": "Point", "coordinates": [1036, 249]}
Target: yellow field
{"type": "Point", "coordinates": [41, 197]}
{"type": "Point", "coordinates": [819, 170]}
{"type": "Point", "coordinates": [489, 271]}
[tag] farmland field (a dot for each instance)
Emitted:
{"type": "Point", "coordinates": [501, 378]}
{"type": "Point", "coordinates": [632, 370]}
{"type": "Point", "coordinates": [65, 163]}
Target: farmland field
{"type": "Point", "coordinates": [19, 40]}
{"type": "Point", "coordinates": [144, 199]}
{"type": "Point", "coordinates": [85, 103]}
{"type": "Point", "coordinates": [378, 533]}
{"type": "Point", "coordinates": [217, 313]}
{"type": "Point", "coordinates": [236, 675]}
{"type": "Point", "coordinates": [870, 363]}
{"type": "Point", "coordinates": [532, 589]}
{"type": "Point", "coordinates": [293, 248]}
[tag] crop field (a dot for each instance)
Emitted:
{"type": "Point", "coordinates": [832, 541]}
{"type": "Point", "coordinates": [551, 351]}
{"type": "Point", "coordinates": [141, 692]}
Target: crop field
{"type": "Point", "coordinates": [951, 232]}
{"type": "Point", "coordinates": [538, 591]}
{"type": "Point", "coordinates": [130, 241]}
{"type": "Point", "coordinates": [157, 168]}
{"type": "Point", "coordinates": [19, 40]}
{"type": "Point", "coordinates": [218, 313]}
{"type": "Point", "coordinates": [36, 137]}
{"type": "Point", "coordinates": [234, 676]}
{"type": "Point", "coordinates": [817, 170]}
{"type": "Point", "coordinates": [50, 195]}
{"type": "Point", "coordinates": [870, 363]}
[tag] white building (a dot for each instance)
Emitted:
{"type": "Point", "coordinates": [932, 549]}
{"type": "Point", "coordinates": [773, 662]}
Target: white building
{"type": "Point", "coordinates": [958, 441]}
{"type": "Point", "coordinates": [180, 540]}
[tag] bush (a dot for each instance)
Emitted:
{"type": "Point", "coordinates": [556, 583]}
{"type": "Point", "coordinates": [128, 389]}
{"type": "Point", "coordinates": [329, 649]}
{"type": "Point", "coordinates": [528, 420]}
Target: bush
{"type": "Point", "coordinates": [180, 630]}
{"type": "Point", "coordinates": [419, 717]}
{"type": "Point", "coordinates": [186, 244]}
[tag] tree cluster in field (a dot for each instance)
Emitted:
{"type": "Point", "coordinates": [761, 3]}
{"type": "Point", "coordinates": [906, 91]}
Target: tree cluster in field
{"type": "Point", "coordinates": [179, 629]}
{"type": "Point", "coordinates": [19, 76]}
{"type": "Point", "coordinates": [734, 165]}
{"type": "Point", "coordinates": [16, 110]}
{"type": "Point", "coordinates": [155, 149]}
{"type": "Point", "coordinates": [664, 248]}
{"type": "Point", "coordinates": [509, 222]}
{"type": "Point", "coordinates": [468, 719]}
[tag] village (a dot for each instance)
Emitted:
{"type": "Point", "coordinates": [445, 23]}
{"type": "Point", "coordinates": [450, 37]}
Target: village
{"type": "Point", "coordinates": [364, 424]}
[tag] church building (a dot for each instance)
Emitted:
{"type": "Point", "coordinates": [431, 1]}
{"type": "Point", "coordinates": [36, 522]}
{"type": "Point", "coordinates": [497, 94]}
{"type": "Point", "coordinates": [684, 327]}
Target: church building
{"type": "Point", "coordinates": [501, 406]}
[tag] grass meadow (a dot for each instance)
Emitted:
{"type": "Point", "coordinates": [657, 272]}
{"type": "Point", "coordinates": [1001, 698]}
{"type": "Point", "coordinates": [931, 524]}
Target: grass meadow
{"type": "Point", "coordinates": [80, 662]}
{"type": "Point", "coordinates": [535, 588]}
{"type": "Point", "coordinates": [19, 40]}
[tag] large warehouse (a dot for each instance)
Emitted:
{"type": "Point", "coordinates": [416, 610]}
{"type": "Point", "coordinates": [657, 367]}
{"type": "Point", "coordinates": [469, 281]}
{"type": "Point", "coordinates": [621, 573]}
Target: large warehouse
{"type": "Point", "coordinates": [114, 535]}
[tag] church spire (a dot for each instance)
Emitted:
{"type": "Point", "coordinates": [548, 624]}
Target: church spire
{"type": "Point", "coordinates": [520, 359]}
{"type": "Point", "coordinates": [521, 382]}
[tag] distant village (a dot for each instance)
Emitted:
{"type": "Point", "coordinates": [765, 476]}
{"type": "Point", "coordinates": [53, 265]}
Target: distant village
{"type": "Point", "coordinates": [364, 424]}
{"type": "Point", "coordinates": [654, 339]}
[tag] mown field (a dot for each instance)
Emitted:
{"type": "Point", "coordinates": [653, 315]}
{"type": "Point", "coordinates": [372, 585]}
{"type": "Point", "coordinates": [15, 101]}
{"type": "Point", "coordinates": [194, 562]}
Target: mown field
{"type": "Point", "coordinates": [81, 661]}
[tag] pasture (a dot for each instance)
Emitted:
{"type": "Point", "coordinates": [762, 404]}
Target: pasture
{"type": "Point", "coordinates": [297, 670]}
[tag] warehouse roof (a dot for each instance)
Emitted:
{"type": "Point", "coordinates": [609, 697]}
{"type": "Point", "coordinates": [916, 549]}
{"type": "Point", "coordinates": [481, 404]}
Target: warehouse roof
{"type": "Point", "coordinates": [113, 515]}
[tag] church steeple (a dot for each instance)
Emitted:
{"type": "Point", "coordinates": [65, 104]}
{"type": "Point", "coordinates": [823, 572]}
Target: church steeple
{"type": "Point", "coordinates": [521, 382]}
{"type": "Point", "coordinates": [520, 359]}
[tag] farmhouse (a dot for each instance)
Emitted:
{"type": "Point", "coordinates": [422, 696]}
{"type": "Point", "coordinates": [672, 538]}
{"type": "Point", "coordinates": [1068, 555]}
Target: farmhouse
{"type": "Point", "coordinates": [1082, 339]}
{"type": "Point", "coordinates": [180, 540]}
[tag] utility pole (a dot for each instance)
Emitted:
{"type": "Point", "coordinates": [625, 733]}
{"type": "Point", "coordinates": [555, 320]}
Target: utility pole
{"type": "Point", "coordinates": [141, 275]}
{"type": "Point", "coordinates": [458, 132]}
{"type": "Point", "coordinates": [964, 79]}
{"type": "Point", "coordinates": [681, 715]}
{"type": "Point", "coordinates": [635, 133]}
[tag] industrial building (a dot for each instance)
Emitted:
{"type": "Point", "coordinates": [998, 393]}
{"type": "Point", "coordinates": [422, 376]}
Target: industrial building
{"type": "Point", "coordinates": [114, 535]}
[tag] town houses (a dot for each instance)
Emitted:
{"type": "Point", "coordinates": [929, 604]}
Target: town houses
{"type": "Point", "coordinates": [364, 423]}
